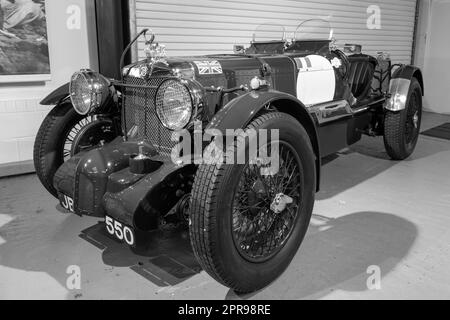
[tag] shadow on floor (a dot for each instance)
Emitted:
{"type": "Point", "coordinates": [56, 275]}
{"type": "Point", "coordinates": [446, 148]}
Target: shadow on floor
{"type": "Point", "coordinates": [334, 256]}
{"type": "Point", "coordinates": [365, 160]}
{"type": "Point", "coordinates": [169, 260]}
{"type": "Point", "coordinates": [337, 253]}
{"type": "Point", "coordinates": [166, 260]}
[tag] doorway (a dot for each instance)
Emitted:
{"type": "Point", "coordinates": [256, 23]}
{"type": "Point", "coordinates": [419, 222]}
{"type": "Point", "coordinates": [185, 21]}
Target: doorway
{"type": "Point", "coordinates": [433, 45]}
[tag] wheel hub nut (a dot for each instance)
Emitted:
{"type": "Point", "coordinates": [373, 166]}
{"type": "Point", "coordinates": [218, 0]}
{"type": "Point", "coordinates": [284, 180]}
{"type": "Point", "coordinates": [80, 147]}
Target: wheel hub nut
{"type": "Point", "coordinates": [416, 120]}
{"type": "Point", "coordinates": [280, 203]}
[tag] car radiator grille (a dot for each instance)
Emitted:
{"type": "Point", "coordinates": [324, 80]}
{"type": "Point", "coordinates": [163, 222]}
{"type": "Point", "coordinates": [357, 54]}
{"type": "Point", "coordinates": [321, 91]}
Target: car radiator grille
{"type": "Point", "coordinates": [141, 120]}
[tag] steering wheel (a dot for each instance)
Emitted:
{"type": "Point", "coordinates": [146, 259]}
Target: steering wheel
{"type": "Point", "coordinates": [345, 62]}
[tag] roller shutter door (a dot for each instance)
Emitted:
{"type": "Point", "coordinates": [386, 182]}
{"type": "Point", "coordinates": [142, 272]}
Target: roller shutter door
{"type": "Point", "coordinates": [214, 26]}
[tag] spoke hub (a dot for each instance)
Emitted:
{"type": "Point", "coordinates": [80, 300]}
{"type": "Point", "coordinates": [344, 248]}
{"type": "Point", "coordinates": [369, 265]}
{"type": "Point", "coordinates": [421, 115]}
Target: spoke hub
{"type": "Point", "coordinates": [266, 207]}
{"type": "Point", "coordinates": [258, 188]}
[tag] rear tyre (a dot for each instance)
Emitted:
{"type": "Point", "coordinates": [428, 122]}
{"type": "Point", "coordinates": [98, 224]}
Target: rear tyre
{"type": "Point", "coordinates": [401, 129]}
{"type": "Point", "coordinates": [238, 234]}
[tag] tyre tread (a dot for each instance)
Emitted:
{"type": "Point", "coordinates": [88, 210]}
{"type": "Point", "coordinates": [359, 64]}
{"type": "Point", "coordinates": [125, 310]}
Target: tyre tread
{"type": "Point", "coordinates": [44, 144]}
{"type": "Point", "coordinates": [204, 199]}
{"type": "Point", "coordinates": [394, 129]}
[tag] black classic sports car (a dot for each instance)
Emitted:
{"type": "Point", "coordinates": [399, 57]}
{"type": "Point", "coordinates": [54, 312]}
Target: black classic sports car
{"type": "Point", "coordinates": [111, 148]}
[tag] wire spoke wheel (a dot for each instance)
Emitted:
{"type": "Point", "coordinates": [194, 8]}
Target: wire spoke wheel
{"type": "Point", "coordinates": [70, 146]}
{"type": "Point", "coordinates": [63, 134]}
{"type": "Point", "coordinates": [247, 221]}
{"type": "Point", "coordinates": [265, 208]}
{"type": "Point", "coordinates": [402, 128]}
{"type": "Point", "coordinates": [412, 119]}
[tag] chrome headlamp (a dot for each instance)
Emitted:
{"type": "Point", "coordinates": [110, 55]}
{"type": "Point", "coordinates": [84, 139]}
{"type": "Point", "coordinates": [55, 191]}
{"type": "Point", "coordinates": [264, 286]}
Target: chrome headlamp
{"type": "Point", "coordinates": [89, 90]}
{"type": "Point", "coordinates": [174, 105]}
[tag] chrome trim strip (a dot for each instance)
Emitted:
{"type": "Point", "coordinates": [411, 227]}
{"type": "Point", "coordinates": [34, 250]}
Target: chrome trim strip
{"type": "Point", "coordinates": [124, 85]}
{"type": "Point", "coordinates": [368, 106]}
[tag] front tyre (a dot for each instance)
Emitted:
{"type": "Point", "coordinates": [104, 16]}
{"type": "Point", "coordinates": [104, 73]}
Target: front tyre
{"type": "Point", "coordinates": [63, 134]}
{"type": "Point", "coordinates": [402, 129]}
{"type": "Point", "coordinates": [246, 227]}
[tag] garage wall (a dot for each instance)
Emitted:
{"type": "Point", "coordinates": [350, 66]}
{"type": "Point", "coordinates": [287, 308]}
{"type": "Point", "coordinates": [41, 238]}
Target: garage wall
{"type": "Point", "coordinates": [20, 112]}
{"type": "Point", "coordinates": [214, 26]}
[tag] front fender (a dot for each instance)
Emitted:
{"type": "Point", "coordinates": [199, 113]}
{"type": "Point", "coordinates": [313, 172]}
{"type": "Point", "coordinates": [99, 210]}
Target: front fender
{"type": "Point", "coordinates": [240, 112]}
{"type": "Point", "coordinates": [399, 87]}
{"type": "Point", "coordinates": [57, 96]}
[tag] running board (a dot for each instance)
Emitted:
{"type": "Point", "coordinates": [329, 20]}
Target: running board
{"type": "Point", "coordinates": [331, 111]}
{"type": "Point", "coordinates": [337, 110]}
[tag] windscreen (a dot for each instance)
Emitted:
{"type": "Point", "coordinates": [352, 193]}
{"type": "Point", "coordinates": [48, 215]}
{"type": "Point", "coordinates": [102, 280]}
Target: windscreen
{"type": "Point", "coordinates": [314, 29]}
{"type": "Point", "coordinates": [269, 32]}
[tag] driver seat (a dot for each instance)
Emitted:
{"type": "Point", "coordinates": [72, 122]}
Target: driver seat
{"type": "Point", "coordinates": [360, 74]}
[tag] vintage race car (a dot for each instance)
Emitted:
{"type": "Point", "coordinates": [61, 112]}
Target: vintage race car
{"type": "Point", "coordinates": [121, 149]}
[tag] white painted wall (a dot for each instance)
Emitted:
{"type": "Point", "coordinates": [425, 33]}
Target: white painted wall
{"type": "Point", "coordinates": [433, 47]}
{"type": "Point", "coordinates": [20, 111]}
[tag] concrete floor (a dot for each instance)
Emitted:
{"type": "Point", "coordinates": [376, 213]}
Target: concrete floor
{"type": "Point", "coordinates": [370, 212]}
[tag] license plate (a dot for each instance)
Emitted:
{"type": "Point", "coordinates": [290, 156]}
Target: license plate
{"type": "Point", "coordinates": [67, 203]}
{"type": "Point", "coordinates": [120, 231]}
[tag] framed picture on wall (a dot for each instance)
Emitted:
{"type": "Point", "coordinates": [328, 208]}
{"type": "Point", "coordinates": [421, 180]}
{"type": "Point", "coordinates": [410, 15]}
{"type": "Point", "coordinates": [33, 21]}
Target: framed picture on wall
{"type": "Point", "coordinates": [24, 54]}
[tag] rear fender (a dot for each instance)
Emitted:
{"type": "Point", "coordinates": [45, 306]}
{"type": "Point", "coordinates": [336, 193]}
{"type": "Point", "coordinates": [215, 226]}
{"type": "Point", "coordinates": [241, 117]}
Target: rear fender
{"type": "Point", "coordinates": [240, 112]}
{"type": "Point", "coordinates": [399, 87]}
